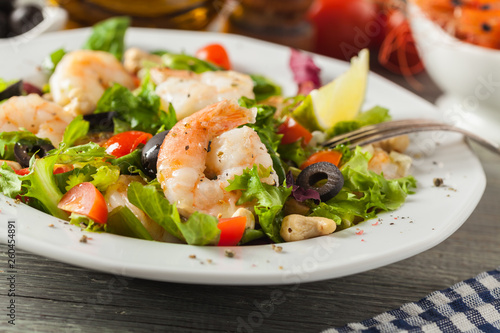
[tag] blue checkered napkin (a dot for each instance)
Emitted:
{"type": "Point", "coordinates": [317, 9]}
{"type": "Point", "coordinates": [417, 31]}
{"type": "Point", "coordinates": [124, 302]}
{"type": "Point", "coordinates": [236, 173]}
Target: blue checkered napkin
{"type": "Point", "coordinates": [468, 306]}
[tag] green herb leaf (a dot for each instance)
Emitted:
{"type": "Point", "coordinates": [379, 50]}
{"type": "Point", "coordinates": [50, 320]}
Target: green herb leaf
{"type": "Point", "coordinates": [264, 87]}
{"type": "Point", "coordinates": [77, 129]}
{"type": "Point", "coordinates": [187, 62]}
{"type": "Point", "coordinates": [142, 112]}
{"type": "Point", "coordinates": [109, 36]}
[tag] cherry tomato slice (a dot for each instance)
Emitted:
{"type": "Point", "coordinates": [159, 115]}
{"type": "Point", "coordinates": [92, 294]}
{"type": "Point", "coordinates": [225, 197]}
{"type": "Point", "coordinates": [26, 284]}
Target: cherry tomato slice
{"type": "Point", "coordinates": [231, 230]}
{"type": "Point", "coordinates": [62, 168]}
{"type": "Point", "coordinates": [331, 156]}
{"type": "Point", "coordinates": [216, 54]}
{"type": "Point", "coordinates": [124, 143]}
{"type": "Point", "coordinates": [22, 172]}
{"type": "Point", "coordinates": [293, 131]}
{"type": "Point", "coordinates": [85, 199]}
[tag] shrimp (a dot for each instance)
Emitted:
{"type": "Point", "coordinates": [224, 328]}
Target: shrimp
{"type": "Point", "coordinates": [82, 76]}
{"type": "Point", "coordinates": [203, 152]}
{"type": "Point", "coordinates": [135, 59]}
{"type": "Point", "coordinates": [35, 114]}
{"type": "Point", "coordinates": [116, 196]}
{"type": "Point", "coordinates": [393, 164]}
{"type": "Point", "coordinates": [189, 92]}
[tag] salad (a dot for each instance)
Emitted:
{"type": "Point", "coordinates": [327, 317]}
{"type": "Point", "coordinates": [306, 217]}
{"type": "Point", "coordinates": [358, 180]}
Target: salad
{"type": "Point", "coordinates": [179, 148]}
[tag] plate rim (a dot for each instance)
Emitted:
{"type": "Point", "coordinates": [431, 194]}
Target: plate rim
{"type": "Point", "coordinates": [213, 277]}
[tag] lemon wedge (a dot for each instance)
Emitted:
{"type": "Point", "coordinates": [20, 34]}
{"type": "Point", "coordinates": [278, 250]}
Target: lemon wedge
{"type": "Point", "coordinates": [338, 100]}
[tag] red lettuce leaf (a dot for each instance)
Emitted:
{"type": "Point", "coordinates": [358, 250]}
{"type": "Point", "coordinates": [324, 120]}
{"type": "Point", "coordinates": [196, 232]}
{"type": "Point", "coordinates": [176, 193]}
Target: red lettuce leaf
{"type": "Point", "coordinates": [299, 193]}
{"type": "Point", "coordinates": [305, 72]}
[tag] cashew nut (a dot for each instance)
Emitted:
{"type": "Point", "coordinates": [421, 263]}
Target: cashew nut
{"type": "Point", "coordinates": [298, 227]}
{"type": "Point", "coordinates": [248, 214]}
{"type": "Point", "coordinates": [134, 59]}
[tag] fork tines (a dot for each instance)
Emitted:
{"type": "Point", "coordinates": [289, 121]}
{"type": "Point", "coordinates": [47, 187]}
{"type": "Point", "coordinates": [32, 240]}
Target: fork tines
{"type": "Point", "coordinates": [385, 130]}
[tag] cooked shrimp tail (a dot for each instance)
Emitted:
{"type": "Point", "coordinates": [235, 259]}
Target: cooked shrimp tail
{"type": "Point", "coordinates": [202, 152]}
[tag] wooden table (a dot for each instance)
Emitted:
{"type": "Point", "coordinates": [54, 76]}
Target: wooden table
{"type": "Point", "coordinates": [56, 297]}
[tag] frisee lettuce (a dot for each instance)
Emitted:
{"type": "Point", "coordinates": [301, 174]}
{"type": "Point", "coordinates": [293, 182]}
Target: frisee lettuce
{"type": "Point", "coordinates": [268, 199]}
{"type": "Point", "coordinates": [365, 193]}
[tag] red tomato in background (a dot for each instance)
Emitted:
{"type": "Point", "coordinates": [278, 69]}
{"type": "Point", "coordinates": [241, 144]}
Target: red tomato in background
{"type": "Point", "coordinates": [124, 143]}
{"type": "Point", "coordinates": [85, 199]}
{"type": "Point", "coordinates": [216, 54]}
{"type": "Point", "coordinates": [344, 27]}
{"type": "Point", "coordinates": [398, 52]}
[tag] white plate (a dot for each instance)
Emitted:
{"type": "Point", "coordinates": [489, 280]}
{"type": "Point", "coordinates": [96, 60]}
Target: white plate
{"type": "Point", "coordinates": [426, 219]}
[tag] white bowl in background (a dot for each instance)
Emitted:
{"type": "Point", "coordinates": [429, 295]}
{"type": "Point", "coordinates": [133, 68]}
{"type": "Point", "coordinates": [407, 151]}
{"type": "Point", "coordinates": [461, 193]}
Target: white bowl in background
{"type": "Point", "coordinates": [468, 74]}
{"type": "Point", "coordinates": [54, 19]}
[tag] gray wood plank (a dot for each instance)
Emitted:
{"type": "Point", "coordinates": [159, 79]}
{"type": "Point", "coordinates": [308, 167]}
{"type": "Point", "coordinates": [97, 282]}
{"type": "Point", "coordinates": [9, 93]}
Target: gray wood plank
{"type": "Point", "coordinates": [56, 297]}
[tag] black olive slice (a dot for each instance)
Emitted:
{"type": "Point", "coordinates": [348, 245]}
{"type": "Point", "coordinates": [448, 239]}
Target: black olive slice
{"type": "Point", "coordinates": [150, 151]}
{"type": "Point", "coordinates": [100, 122]}
{"type": "Point", "coordinates": [310, 176]}
{"type": "Point", "coordinates": [24, 151]}
{"type": "Point", "coordinates": [15, 89]}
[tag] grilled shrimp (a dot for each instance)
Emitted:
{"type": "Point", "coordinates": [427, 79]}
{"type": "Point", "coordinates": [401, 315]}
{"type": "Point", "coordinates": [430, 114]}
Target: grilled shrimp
{"type": "Point", "coordinates": [35, 114]}
{"type": "Point", "coordinates": [189, 92]}
{"type": "Point", "coordinates": [392, 164]}
{"type": "Point", "coordinates": [205, 150]}
{"type": "Point", "coordinates": [81, 78]}
{"type": "Point", "coordinates": [116, 196]}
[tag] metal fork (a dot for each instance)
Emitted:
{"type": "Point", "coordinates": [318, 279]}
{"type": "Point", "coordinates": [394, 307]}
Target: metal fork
{"type": "Point", "coordinates": [382, 131]}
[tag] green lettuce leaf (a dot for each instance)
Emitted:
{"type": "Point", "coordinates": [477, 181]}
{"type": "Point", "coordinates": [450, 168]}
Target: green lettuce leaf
{"type": "Point", "coordinates": [264, 87]}
{"type": "Point", "coordinates": [50, 62]}
{"type": "Point", "coordinates": [76, 130]}
{"type": "Point", "coordinates": [365, 193]}
{"type": "Point", "coordinates": [251, 235]}
{"type": "Point", "coordinates": [294, 152]}
{"type": "Point", "coordinates": [373, 116]}
{"type": "Point", "coordinates": [141, 112]}
{"type": "Point", "coordinates": [121, 221]}
{"type": "Point", "coordinates": [6, 83]}
{"type": "Point", "coordinates": [268, 199]}
{"type": "Point", "coordinates": [43, 186]}
{"type": "Point", "coordinates": [9, 139]}
{"type": "Point", "coordinates": [198, 229]}
{"type": "Point", "coordinates": [187, 62]}
{"type": "Point", "coordinates": [265, 125]}
{"type": "Point", "coordinates": [10, 184]}
{"type": "Point", "coordinates": [109, 36]}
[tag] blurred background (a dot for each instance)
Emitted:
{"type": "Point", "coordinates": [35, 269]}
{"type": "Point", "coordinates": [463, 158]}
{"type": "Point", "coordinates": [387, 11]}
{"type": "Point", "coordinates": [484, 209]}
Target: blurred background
{"type": "Point", "coordinates": [334, 28]}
